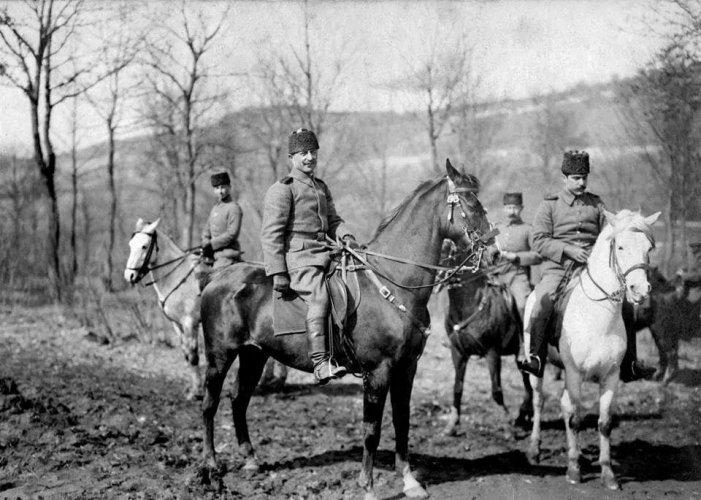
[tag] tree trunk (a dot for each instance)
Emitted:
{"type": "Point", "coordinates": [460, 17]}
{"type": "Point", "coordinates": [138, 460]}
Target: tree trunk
{"type": "Point", "coordinates": [113, 208]}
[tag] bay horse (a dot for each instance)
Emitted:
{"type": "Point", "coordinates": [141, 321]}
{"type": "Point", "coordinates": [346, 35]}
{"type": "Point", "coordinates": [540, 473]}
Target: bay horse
{"type": "Point", "coordinates": [172, 275]}
{"type": "Point", "coordinates": [592, 341]}
{"type": "Point", "coordinates": [388, 330]}
{"type": "Point", "coordinates": [483, 320]}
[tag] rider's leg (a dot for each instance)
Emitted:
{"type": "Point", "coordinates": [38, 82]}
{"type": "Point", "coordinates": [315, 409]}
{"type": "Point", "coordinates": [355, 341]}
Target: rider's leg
{"type": "Point", "coordinates": [542, 308]}
{"type": "Point", "coordinates": [308, 282]}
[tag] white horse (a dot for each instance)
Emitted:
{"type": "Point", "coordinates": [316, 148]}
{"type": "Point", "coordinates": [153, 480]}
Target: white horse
{"type": "Point", "coordinates": [172, 273]}
{"type": "Point", "coordinates": [173, 277]}
{"type": "Point", "coordinates": [593, 339]}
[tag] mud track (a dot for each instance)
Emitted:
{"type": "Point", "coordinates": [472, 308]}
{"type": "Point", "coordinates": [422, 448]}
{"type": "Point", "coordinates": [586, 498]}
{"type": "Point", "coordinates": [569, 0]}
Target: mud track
{"type": "Point", "coordinates": [79, 419]}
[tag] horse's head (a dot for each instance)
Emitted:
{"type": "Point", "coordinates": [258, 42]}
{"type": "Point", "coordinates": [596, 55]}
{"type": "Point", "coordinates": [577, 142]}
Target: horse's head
{"type": "Point", "coordinates": [465, 222]}
{"type": "Point", "coordinates": [143, 250]}
{"type": "Point", "coordinates": [631, 241]}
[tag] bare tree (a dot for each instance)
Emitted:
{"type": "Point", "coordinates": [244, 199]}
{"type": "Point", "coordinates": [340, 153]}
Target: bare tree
{"type": "Point", "coordinates": [554, 131]}
{"type": "Point", "coordinates": [440, 80]}
{"type": "Point", "coordinates": [117, 51]}
{"type": "Point", "coordinates": [297, 88]}
{"type": "Point", "coordinates": [181, 103]}
{"type": "Point", "coordinates": [660, 110]}
{"type": "Point", "coordinates": [35, 36]}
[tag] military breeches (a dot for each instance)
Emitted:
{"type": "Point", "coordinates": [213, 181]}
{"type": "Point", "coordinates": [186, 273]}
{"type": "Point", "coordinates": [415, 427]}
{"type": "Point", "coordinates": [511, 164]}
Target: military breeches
{"type": "Point", "coordinates": [543, 298]}
{"type": "Point", "coordinates": [520, 288]}
{"type": "Point", "coordinates": [308, 282]}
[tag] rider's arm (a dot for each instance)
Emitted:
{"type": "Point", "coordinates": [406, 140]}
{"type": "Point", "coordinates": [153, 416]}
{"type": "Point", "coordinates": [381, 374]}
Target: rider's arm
{"type": "Point", "coordinates": [529, 257]}
{"type": "Point", "coordinates": [543, 227]}
{"type": "Point", "coordinates": [276, 212]}
{"type": "Point", "coordinates": [233, 225]}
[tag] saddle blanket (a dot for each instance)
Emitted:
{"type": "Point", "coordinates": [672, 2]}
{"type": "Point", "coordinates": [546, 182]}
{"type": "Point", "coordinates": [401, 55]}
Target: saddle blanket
{"type": "Point", "coordinates": [289, 316]}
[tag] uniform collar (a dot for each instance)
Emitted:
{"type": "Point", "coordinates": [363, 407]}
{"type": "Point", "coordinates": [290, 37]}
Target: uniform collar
{"type": "Point", "coordinates": [569, 198]}
{"type": "Point", "coordinates": [297, 174]}
{"type": "Point", "coordinates": [225, 200]}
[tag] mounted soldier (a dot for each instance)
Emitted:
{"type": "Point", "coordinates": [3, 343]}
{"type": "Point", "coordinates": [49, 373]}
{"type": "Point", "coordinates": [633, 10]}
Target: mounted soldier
{"type": "Point", "coordinates": [220, 236]}
{"type": "Point", "coordinates": [566, 227]}
{"type": "Point", "coordinates": [298, 216]}
{"type": "Point", "coordinates": [517, 255]}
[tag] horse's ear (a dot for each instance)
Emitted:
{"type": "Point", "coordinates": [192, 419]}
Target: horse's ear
{"type": "Point", "coordinates": [139, 224]}
{"type": "Point", "coordinates": [450, 169]}
{"type": "Point", "coordinates": [651, 219]}
{"type": "Point", "coordinates": [610, 217]}
{"type": "Point", "coordinates": [151, 227]}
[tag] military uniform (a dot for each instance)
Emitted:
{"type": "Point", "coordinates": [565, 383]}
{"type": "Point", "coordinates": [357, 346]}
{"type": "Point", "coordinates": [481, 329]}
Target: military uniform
{"type": "Point", "coordinates": [298, 216]}
{"type": "Point", "coordinates": [516, 237]}
{"type": "Point", "coordinates": [222, 231]}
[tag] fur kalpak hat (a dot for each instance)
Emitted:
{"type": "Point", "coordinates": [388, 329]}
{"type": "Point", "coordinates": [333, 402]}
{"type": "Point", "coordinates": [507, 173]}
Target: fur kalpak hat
{"type": "Point", "coordinates": [575, 163]}
{"type": "Point", "coordinates": [513, 199]}
{"type": "Point", "coordinates": [302, 140]}
{"type": "Point", "coordinates": [220, 179]}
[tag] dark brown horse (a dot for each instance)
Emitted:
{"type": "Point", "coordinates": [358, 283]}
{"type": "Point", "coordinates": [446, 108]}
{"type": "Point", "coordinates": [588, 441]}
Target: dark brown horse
{"type": "Point", "coordinates": [388, 336]}
{"type": "Point", "coordinates": [672, 314]}
{"type": "Point", "coordinates": [483, 320]}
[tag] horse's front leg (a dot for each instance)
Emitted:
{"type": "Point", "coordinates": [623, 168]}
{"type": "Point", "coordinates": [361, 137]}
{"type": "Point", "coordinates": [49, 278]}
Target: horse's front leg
{"type": "Point", "coordinates": [251, 364]}
{"type": "Point", "coordinates": [525, 411]}
{"type": "Point", "coordinates": [375, 387]}
{"type": "Point", "coordinates": [217, 366]}
{"type": "Point", "coordinates": [400, 393]}
{"type": "Point", "coordinates": [533, 453]}
{"type": "Point", "coordinates": [607, 395]}
{"type": "Point", "coordinates": [189, 343]}
{"type": "Point", "coordinates": [571, 404]}
{"type": "Point", "coordinates": [494, 366]}
{"type": "Point", "coordinates": [459, 365]}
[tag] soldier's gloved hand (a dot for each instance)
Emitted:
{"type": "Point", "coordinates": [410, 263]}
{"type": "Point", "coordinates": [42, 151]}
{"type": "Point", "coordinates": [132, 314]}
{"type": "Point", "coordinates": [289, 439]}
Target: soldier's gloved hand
{"type": "Point", "coordinates": [578, 254]}
{"type": "Point", "coordinates": [491, 255]}
{"type": "Point", "coordinates": [281, 284]}
{"type": "Point", "coordinates": [349, 240]}
{"type": "Point", "coordinates": [207, 251]}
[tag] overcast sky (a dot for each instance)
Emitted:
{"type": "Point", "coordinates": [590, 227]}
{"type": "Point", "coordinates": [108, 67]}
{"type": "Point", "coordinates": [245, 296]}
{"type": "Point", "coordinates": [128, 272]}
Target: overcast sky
{"type": "Point", "coordinates": [520, 48]}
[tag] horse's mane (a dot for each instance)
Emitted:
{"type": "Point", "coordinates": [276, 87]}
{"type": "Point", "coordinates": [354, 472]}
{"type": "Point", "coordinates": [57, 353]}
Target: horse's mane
{"type": "Point", "coordinates": [628, 220]}
{"type": "Point", "coordinates": [471, 182]}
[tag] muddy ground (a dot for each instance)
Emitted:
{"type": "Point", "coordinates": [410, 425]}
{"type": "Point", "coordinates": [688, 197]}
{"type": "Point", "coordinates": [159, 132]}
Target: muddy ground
{"type": "Point", "coordinates": [83, 419]}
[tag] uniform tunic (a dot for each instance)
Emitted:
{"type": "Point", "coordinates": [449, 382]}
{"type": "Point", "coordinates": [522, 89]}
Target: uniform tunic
{"type": "Point", "coordinates": [562, 219]}
{"type": "Point", "coordinates": [222, 231]}
{"type": "Point", "coordinates": [517, 237]}
{"type": "Point", "coordinates": [298, 214]}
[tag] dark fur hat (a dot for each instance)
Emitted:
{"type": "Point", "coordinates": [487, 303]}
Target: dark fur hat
{"type": "Point", "coordinates": [302, 140]}
{"type": "Point", "coordinates": [575, 163]}
{"type": "Point", "coordinates": [513, 199]}
{"type": "Point", "coordinates": [220, 179]}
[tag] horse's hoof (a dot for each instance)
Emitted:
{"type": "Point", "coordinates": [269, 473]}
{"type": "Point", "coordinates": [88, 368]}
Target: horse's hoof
{"type": "Point", "coordinates": [370, 496]}
{"type": "Point", "coordinates": [415, 492]}
{"type": "Point", "coordinates": [450, 431]}
{"type": "Point", "coordinates": [610, 481]}
{"type": "Point", "coordinates": [574, 476]}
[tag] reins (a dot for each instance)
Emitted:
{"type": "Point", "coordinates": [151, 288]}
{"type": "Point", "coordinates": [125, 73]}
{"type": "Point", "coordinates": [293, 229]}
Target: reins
{"type": "Point", "coordinates": [146, 268]}
{"type": "Point", "coordinates": [618, 295]}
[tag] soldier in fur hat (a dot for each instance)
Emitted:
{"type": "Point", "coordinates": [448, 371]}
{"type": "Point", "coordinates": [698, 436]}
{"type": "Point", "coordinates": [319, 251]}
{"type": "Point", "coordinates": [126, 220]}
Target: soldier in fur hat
{"type": "Point", "coordinates": [220, 237]}
{"type": "Point", "coordinates": [298, 215]}
{"type": "Point", "coordinates": [515, 241]}
{"type": "Point", "coordinates": [566, 227]}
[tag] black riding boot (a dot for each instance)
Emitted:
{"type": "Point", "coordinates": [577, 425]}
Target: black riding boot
{"type": "Point", "coordinates": [324, 370]}
{"type": "Point", "coordinates": [538, 349]}
{"type": "Point", "coordinates": [631, 368]}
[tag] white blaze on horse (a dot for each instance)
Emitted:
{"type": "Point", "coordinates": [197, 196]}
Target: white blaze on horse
{"type": "Point", "coordinates": [592, 342]}
{"type": "Point", "coordinates": [172, 273]}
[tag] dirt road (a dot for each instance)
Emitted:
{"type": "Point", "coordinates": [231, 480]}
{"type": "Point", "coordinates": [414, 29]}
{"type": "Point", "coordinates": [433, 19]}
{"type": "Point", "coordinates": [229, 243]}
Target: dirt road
{"type": "Point", "coordinates": [79, 419]}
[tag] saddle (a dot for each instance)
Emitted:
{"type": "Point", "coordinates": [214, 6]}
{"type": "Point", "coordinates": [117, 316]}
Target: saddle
{"type": "Point", "coordinates": [341, 281]}
{"type": "Point", "coordinates": [561, 298]}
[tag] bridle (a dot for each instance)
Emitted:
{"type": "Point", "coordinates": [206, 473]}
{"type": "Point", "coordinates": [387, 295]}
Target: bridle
{"type": "Point", "coordinates": [478, 243]}
{"type": "Point", "coordinates": [144, 269]}
{"type": "Point", "coordinates": [618, 295]}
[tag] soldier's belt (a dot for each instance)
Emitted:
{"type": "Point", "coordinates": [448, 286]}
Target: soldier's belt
{"type": "Point", "coordinates": [318, 236]}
